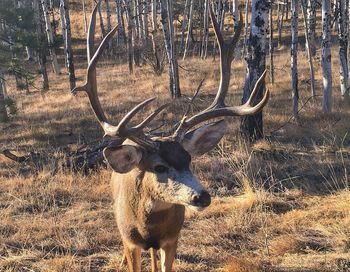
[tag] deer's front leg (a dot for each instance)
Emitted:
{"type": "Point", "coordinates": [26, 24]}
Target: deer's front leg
{"type": "Point", "coordinates": [167, 254]}
{"type": "Point", "coordinates": [133, 257]}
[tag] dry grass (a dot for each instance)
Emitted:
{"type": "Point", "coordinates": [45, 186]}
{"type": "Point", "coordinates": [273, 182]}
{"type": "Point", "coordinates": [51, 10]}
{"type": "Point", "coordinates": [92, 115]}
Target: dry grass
{"type": "Point", "coordinates": [282, 204]}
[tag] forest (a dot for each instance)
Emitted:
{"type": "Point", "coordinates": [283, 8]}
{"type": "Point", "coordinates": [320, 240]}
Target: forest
{"type": "Point", "coordinates": [159, 135]}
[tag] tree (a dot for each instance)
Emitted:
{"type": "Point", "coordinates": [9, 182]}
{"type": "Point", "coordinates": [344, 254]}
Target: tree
{"type": "Point", "coordinates": [326, 56]}
{"type": "Point", "coordinates": [50, 38]}
{"type": "Point", "coordinates": [68, 41]}
{"type": "Point", "coordinates": [343, 47]}
{"type": "Point", "coordinates": [252, 126]}
{"type": "Point", "coordinates": [3, 112]}
{"type": "Point", "coordinates": [168, 31]}
{"type": "Point", "coordinates": [294, 57]}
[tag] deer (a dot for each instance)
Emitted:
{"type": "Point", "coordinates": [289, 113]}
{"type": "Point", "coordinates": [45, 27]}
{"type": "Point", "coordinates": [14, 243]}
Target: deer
{"type": "Point", "coordinates": [152, 181]}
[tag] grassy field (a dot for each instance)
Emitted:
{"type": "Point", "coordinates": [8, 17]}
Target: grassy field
{"type": "Point", "coordinates": [281, 204]}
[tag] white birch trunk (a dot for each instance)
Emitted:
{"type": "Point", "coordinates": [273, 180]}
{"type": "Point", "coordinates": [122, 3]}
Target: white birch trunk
{"type": "Point", "coordinates": [326, 56]}
{"type": "Point", "coordinates": [311, 22]}
{"type": "Point", "coordinates": [3, 112]}
{"type": "Point", "coordinates": [40, 52]}
{"type": "Point", "coordinates": [167, 25]}
{"type": "Point", "coordinates": [294, 57]}
{"type": "Point", "coordinates": [252, 126]}
{"type": "Point", "coordinates": [63, 26]}
{"type": "Point", "coordinates": [68, 43]}
{"type": "Point", "coordinates": [50, 39]}
{"type": "Point", "coordinates": [343, 48]}
{"type": "Point", "coordinates": [205, 30]}
{"type": "Point", "coordinates": [189, 30]}
{"type": "Point", "coordinates": [308, 49]}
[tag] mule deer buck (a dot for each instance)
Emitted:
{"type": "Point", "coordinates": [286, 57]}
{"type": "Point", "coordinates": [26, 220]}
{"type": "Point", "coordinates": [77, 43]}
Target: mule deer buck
{"type": "Point", "coordinates": [151, 180]}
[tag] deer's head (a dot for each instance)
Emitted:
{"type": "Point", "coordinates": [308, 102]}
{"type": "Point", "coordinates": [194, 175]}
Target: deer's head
{"type": "Point", "coordinates": [164, 163]}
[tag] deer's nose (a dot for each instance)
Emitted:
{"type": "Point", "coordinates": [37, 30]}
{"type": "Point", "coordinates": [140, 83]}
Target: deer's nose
{"type": "Point", "coordinates": [202, 200]}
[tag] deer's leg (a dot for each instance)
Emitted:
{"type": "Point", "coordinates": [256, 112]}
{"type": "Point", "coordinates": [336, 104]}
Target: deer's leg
{"type": "Point", "coordinates": [153, 254]}
{"type": "Point", "coordinates": [133, 257]}
{"type": "Point", "coordinates": [167, 254]}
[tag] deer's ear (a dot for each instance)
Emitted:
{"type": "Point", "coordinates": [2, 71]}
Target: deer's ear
{"type": "Point", "coordinates": [123, 158]}
{"type": "Point", "coordinates": [204, 138]}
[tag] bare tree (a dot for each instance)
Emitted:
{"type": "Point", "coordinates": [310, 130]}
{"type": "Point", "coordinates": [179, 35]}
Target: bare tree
{"type": "Point", "coordinates": [311, 25]}
{"type": "Point", "coordinates": [3, 112]}
{"type": "Point", "coordinates": [189, 29]}
{"type": "Point", "coordinates": [308, 49]}
{"type": "Point", "coordinates": [294, 57]}
{"type": "Point", "coordinates": [40, 51]}
{"type": "Point", "coordinates": [343, 47]}
{"type": "Point", "coordinates": [252, 126]}
{"type": "Point", "coordinates": [68, 42]}
{"type": "Point", "coordinates": [326, 56]}
{"type": "Point", "coordinates": [167, 26]}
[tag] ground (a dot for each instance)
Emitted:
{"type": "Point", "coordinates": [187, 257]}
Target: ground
{"type": "Point", "coordinates": [281, 204]}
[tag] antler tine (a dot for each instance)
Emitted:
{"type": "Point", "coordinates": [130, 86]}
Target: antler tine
{"type": "Point", "coordinates": [90, 87]}
{"type": "Point", "coordinates": [256, 88]}
{"type": "Point", "coordinates": [242, 110]}
{"type": "Point", "coordinates": [91, 32]}
{"type": "Point", "coordinates": [237, 34]}
{"type": "Point", "coordinates": [150, 118]}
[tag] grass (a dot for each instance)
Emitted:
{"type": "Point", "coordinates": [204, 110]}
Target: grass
{"type": "Point", "coordinates": [281, 204]}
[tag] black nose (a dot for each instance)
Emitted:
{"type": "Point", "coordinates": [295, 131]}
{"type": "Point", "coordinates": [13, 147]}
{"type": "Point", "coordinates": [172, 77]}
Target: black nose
{"type": "Point", "coordinates": [201, 200]}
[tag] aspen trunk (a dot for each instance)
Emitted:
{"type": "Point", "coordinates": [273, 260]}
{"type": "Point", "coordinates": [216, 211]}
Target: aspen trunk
{"type": "Point", "coordinates": [68, 43]}
{"type": "Point", "coordinates": [189, 31]}
{"type": "Point", "coordinates": [326, 56]}
{"type": "Point", "coordinates": [343, 48]}
{"type": "Point", "coordinates": [50, 39]}
{"type": "Point", "coordinates": [280, 24]}
{"type": "Point", "coordinates": [40, 51]}
{"type": "Point", "coordinates": [103, 31]}
{"type": "Point", "coordinates": [155, 49]}
{"type": "Point", "coordinates": [167, 25]}
{"type": "Point", "coordinates": [294, 57]}
{"type": "Point", "coordinates": [63, 27]}
{"type": "Point", "coordinates": [145, 5]}
{"type": "Point", "coordinates": [311, 23]}
{"type": "Point", "coordinates": [308, 49]}
{"type": "Point", "coordinates": [252, 126]}
{"type": "Point", "coordinates": [121, 37]}
{"type": "Point", "coordinates": [128, 5]}
{"type": "Point", "coordinates": [246, 26]}
{"type": "Point", "coordinates": [205, 30]}
{"type": "Point", "coordinates": [3, 112]}
{"type": "Point", "coordinates": [272, 70]}
{"type": "Point", "coordinates": [184, 24]}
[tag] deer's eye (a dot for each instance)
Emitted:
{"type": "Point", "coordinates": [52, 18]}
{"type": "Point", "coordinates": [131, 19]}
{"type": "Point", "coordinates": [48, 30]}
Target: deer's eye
{"type": "Point", "coordinates": [160, 169]}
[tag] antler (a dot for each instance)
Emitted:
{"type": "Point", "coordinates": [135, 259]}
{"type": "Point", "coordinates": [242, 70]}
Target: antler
{"type": "Point", "coordinates": [218, 107]}
{"type": "Point", "coordinates": [90, 87]}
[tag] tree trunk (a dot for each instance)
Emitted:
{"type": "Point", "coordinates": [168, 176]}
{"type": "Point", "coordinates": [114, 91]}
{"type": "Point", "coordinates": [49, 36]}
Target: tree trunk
{"type": "Point", "coordinates": [311, 23]}
{"type": "Point", "coordinates": [40, 51]}
{"type": "Point", "coordinates": [155, 48]}
{"type": "Point", "coordinates": [189, 30]}
{"type": "Point", "coordinates": [184, 24]}
{"type": "Point", "coordinates": [109, 25]}
{"type": "Point", "coordinates": [3, 112]}
{"type": "Point", "coordinates": [63, 26]}
{"type": "Point", "coordinates": [326, 56]}
{"type": "Point", "coordinates": [144, 10]}
{"type": "Point", "coordinates": [246, 26]}
{"type": "Point", "coordinates": [167, 25]}
{"type": "Point", "coordinates": [50, 39]}
{"type": "Point", "coordinates": [68, 43]}
{"type": "Point", "coordinates": [128, 4]}
{"type": "Point", "coordinates": [343, 48]}
{"type": "Point", "coordinates": [205, 30]}
{"type": "Point", "coordinates": [280, 24]}
{"type": "Point", "coordinates": [121, 37]}
{"type": "Point", "coordinates": [272, 70]}
{"type": "Point", "coordinates": [308, 49]}
{"type": "Point", "coordinates": [252, 126]}
{"type": "Point", "coordinates": [294, 57]}
{"type": "Point", "coordinates": [103, 31]}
